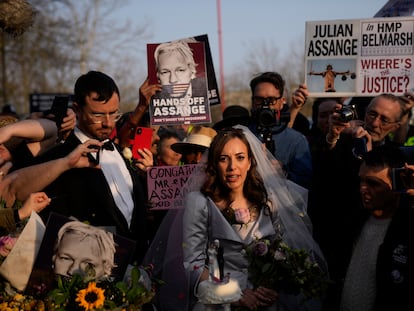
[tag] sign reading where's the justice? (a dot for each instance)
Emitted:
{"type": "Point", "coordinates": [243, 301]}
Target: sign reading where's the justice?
{"type": "Point", "coordinates": [359, 57]}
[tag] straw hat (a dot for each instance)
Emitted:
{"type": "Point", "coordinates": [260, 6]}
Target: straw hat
{"type": "Point", "coordinates": [7, 119]}
{"type": "Point", "coordinates": [233, 115]}
{"type": "Point", "coordinates": [200, 138]}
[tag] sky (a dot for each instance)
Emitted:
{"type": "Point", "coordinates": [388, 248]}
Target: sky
{"type": "Point", "coordinates": [243, 22]}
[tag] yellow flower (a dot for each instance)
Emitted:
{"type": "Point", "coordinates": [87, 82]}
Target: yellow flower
{"type": "Point", "coordinates": [91, 297]}
{"type": "Point", "coordinates": [18, 297]}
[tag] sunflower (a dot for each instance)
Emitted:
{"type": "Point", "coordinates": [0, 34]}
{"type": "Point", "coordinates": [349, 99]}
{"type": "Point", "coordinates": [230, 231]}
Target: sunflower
{"type": "Point", "coordinates": [92, 297]}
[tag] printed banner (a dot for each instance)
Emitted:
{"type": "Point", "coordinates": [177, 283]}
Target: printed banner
{"type": "Point", "coordinates": [179, 66]}
{"type": "Point", "coordinates": [213, 90]}
{"type": "Point", "coordinates": [359, 57]}
{"type": "Point", "coordinates": [70, 246]}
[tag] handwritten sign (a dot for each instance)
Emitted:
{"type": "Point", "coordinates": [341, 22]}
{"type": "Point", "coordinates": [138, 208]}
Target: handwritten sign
{"type": "Point", "coordinates": [166, 185]}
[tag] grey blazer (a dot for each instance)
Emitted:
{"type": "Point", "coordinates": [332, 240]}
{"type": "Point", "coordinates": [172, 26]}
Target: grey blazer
{"type": "Point", "coordinates": [203, 222]}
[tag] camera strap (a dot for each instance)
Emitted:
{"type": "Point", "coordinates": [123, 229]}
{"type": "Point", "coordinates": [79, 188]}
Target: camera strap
{"type": "Point", "coordinates": [279, 129]}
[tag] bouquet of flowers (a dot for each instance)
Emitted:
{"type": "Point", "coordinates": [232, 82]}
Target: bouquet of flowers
{"type": "Point", "coordinates": [78, 293]}
{"type": "Point", "coordinates": [273, 264]}
{"type": "Point", "coordinates": [83, 293]}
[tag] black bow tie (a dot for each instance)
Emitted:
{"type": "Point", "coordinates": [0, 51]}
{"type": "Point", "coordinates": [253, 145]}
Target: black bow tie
{"type": "Point", "coordinates": [108, 146]}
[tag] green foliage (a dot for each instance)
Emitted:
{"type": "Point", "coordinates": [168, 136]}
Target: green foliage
{"type": "Point", "coordinates": [126, 295]}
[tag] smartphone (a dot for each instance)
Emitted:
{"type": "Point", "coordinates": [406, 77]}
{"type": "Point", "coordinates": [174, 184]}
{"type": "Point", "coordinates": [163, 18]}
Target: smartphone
{"type": "Point", "coordinates": [360, 147]}
{"type": "Point", "coordinates": [401, 179]}
{"type": "Point", "coordinates": [142, 139]}
{"type": "Point", "coordinates": [59, 109]}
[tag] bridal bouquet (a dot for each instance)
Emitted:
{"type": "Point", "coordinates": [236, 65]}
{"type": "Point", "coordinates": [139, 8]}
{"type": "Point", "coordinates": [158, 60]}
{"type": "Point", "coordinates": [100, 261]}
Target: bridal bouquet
{"type": "Point", "coordinates": [273, 264]}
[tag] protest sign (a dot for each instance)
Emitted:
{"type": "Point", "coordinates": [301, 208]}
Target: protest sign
{"type": "Point", "coordinates": [179, 66]}
{"type": "Point", "coordinates": [166, 184]}
{"type": "Point", "coordinates": [88, 247]}
{"type": "Point", "coordinates": [359, 57]}
{"type": "Point", "coordinates": [213, 91]}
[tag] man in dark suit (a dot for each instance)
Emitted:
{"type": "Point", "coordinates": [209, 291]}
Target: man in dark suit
{"type": "Point", "coordinates": [108, 192]}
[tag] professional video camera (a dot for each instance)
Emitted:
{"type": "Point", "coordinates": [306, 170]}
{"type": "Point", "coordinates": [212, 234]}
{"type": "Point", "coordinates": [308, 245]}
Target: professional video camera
{"type": "Point", "coordinates": [269, 121]}
{"type": "Point", "coordinates": [266, 117]}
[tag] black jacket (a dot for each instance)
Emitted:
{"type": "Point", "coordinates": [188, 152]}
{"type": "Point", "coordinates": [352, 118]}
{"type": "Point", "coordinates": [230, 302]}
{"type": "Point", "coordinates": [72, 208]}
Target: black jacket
{"type": "Point", "coordinates": [85, 194]}
{"type": "Point", "coordinates": [395, 263]}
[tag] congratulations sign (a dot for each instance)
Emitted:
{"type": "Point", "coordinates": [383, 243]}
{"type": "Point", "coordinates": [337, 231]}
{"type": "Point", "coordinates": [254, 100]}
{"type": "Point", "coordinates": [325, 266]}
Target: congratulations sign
{"type": "Point", "coordinates": [167, 185]}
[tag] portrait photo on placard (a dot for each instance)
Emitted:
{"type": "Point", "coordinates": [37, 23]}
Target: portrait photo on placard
{"type": "Point", "coordinates": [180, 68]}
{"type": "Point", "coordinates": [72, 247]}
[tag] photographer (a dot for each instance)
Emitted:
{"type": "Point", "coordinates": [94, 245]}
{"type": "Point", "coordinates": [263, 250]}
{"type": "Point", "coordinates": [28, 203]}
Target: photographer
{"type": "Point", "coordinates": [383, 116]}
{"type": "Point", "coordinates": [270, 124]}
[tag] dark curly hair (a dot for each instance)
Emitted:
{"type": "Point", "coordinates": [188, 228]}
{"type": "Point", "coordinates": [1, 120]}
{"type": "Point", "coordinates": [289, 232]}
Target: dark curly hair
{"type": "Point", "coordinates": [253, 187]}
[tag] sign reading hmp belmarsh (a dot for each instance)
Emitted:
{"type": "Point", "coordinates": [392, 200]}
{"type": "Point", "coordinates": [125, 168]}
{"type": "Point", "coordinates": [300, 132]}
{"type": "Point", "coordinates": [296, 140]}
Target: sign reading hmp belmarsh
{"type": "Point", "coordinates": [360, 57]}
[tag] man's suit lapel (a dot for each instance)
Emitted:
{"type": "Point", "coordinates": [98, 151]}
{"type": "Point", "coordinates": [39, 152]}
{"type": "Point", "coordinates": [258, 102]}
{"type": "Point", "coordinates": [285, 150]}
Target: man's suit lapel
{"type": "Point", "coordinates": [138, 194]}
{"type": "Point", "coordinates": [107, 199]}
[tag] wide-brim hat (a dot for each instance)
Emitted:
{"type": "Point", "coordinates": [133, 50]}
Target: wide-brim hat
{"type": "Point", "coordinates": [199, 139]}
{"type": "Point", "coordinates": [233, 115]}
{"type": "Point", "coordinates": [7, 119]}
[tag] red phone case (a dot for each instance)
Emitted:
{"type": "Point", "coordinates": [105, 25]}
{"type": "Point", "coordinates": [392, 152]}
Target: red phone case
{"type": "Point", "coordinates": [142, 139]}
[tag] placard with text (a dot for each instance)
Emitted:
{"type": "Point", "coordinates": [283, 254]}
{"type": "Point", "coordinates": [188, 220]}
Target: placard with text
{"type": "Point", "coordinates": [180, 67]}
{"type": "Point", "coordinates": [359, 57]}
{"type": "Point", "coordinates": [167, 185]}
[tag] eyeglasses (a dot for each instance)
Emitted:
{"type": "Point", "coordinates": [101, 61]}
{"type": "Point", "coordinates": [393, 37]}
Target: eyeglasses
{"type": "Point", "coordinates": [101, 117]}
{"type": "Point", "coordinates": [373, 115]}
{"type": "Point", "coordinates": [271, 100]}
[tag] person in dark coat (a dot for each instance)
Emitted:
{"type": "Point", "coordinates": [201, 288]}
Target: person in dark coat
{"type": "Point", "coordinates": [108, 192]}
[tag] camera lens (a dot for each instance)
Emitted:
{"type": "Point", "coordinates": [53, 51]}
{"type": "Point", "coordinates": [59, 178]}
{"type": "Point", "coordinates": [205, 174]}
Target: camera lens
{"type": "Point", "coordinates": [266, 118]}
{"type": "Point", "coordinates": [346, 114]}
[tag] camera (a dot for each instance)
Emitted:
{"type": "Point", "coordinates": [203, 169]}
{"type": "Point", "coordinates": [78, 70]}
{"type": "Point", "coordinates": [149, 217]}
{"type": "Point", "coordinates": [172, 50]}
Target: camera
{"type": "Point", "coordinates": [402, 179]}
{"type": "Point", "coordinates": [347, 113]}
{"type": "Point", "coordinates": [267, 118]}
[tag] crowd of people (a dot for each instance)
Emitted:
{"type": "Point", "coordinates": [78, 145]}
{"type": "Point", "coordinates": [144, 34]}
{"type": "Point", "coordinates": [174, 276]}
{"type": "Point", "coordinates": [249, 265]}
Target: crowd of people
{"type": "Point", "coordinates": [259, 177]}
{"type": "Point", "coordinates": [328, 188]}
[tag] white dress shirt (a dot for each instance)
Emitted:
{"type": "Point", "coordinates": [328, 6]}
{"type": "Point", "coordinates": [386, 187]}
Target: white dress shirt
{"type": "Point", "coordinates": [117, 175]}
